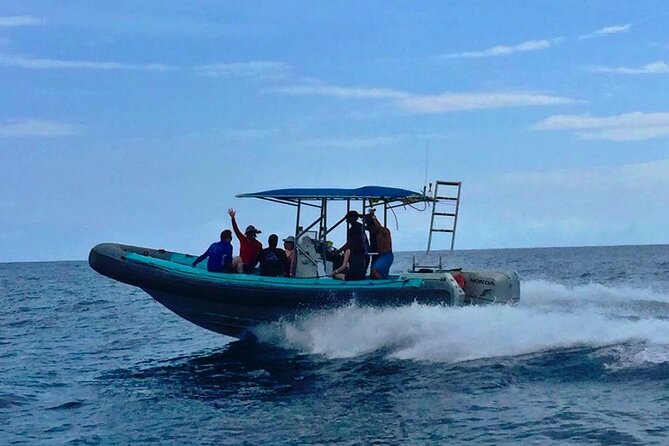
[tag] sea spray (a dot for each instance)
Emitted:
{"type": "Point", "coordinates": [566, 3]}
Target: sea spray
{"type": "Point", "coordinates": [550, 316]}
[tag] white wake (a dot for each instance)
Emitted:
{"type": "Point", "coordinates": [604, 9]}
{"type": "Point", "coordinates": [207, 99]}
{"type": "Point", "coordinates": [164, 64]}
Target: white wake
{"type": "Point", "coordinates": [550, 316]}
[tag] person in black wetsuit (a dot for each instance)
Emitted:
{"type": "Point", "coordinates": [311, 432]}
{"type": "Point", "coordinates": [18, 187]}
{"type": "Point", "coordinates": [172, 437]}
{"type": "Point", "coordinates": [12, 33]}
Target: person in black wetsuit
{"type": "Point", "coordinates": [367, 223]}
{"type": "Point", "coordinates": [354, 266]}
{"type": "Point", "coordinates": [273, 261]}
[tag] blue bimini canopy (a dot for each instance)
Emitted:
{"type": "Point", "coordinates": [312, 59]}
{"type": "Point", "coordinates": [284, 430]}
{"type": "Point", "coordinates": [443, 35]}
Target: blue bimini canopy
{"type": "Point", "coordinates": [372, 193]}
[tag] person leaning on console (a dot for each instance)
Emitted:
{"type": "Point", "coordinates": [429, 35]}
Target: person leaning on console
{"type": "Point", "coordinates": [354, 265]}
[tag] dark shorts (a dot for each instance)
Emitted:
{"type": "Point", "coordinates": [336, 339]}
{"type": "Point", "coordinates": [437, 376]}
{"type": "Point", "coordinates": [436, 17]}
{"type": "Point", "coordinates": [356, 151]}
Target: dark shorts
{"type": "Point", "coordinates": [357, 267]}
{"type": "Point", "coordinates": [382, 264]}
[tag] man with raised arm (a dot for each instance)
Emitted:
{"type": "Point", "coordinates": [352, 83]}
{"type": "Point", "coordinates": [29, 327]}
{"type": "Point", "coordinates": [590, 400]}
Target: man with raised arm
{"type": "Point", "coordinates": [249, 247]}
{"type": "Point", "coordinates": [384, 246]}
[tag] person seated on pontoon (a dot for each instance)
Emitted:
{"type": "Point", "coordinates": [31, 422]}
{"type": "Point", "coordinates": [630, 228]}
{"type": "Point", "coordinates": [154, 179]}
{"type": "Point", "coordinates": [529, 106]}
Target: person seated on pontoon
{"type": "Point", "coordinates": [272, 260]}
{"type": "Point", "coordinates": [289, 248]}
{"type": "Point", "coordinates": [384, 246]}
{"type": "Point", "coordinates": [218, 255]}
{"type": "Point", "coordinates": [249, 247]}
{"type": "Point", "coordinates": [354, 266]}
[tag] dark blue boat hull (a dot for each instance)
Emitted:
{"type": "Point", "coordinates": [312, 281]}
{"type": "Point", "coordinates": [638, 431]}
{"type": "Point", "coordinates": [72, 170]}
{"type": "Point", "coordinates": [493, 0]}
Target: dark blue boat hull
{"type": "Point", "coordinates": [234, 309]}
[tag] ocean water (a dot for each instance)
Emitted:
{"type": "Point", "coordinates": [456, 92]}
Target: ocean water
{"type": "Point", "coordinates": [583, 359]}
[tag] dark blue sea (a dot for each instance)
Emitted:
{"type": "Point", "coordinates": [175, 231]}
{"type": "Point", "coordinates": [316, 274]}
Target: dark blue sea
{"type": "Point", "coordinates": [583, 359]}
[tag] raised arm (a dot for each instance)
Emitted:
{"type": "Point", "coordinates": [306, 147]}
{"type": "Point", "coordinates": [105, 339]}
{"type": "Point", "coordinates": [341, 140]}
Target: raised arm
{"type": "Point", "coordinates": [232, 214]}
{"type": "Point", "coordinates": [376, 224]}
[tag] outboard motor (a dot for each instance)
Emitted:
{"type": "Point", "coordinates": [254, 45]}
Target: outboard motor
{"type": "Point", "coordinates": [483, 287]}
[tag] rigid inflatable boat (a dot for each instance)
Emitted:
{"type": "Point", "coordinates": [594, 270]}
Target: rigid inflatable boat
{"type": "Point", "coordinates": [234, 304]}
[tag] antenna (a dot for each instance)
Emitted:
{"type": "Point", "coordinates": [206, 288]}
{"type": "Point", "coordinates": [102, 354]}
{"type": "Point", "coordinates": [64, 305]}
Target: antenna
{"type": "Point", "coordinates": [427, 158]}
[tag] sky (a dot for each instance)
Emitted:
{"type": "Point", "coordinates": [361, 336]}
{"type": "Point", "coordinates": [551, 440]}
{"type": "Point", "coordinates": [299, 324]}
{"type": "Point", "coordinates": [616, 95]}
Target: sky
{"type": "Point", "coordinates": [139, 122]}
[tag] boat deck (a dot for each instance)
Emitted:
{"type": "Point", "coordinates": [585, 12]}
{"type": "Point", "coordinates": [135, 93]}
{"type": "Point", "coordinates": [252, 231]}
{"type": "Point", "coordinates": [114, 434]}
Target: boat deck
{"type": "Point", "coordinates": [182, 264]}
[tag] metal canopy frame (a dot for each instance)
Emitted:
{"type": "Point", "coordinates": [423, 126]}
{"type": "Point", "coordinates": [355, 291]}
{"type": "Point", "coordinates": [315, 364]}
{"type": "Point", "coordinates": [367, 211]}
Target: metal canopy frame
{"type": "Point", "coordinates": [321, 203]}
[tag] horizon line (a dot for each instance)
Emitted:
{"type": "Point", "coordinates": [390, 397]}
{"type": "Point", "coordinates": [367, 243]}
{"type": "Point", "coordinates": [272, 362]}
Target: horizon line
{"type": "Point", "coordinates": [7, 262]}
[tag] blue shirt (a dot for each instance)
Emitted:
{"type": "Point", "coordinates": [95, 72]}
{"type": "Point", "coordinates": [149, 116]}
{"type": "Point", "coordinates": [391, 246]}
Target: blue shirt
{"type": "Point", "coordinates": [219, 256]}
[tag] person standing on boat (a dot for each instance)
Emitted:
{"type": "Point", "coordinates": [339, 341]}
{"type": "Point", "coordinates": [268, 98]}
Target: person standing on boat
{"type": "Point", "coordinates": [249, 247]}
{"type": "Point", "coordinates": [289, 248]}
{"type": "Point", "coordinates": [354, 266]}
{"type": "Point", "coordinates": [384, 245]}
{"type": "Point", "coordinates": [272, 261]}
{"type": "Point", "coordinates": [218, 255]}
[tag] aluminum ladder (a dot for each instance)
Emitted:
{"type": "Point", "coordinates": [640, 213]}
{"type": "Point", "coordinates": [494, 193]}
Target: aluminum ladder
{"type": "Point", "coordinates": [449, 198]}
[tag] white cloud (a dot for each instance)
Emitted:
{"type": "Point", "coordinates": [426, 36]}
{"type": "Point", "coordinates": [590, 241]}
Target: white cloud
{"type": "Point", "coordinates": [608, 30]}
{"type": "Point", "coordinates": [589, 122]}
{"type": "Point", "coordinates": [378, 141]}
{"type": "Point", "coordinates": [503, 50]}
{"type": "Point", "coordinates": [256, 69]}
{"type": "Point", "coordinates": [59, 64]}
{"type": "Point", "coordinates": [20, 128]}
{"type": "Point", "coordinates": [259, 69]}
{"type": "Point", "coordinates": [416, 103]}
{"type": "Point", "coordinates": [451, 102]}
{"type": "Point", "coordinates": [19, 20]}
{"type": "Point", "coordinates": [658, 67]}
{"type": "Point", "coordinates": [341, 92]}
{"type": "Point", "coordinates": [352, 143]}
{"type": "Point", "coordinates": [635, 126]}
{"type": "Point", "coordinates": [626, 134]}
